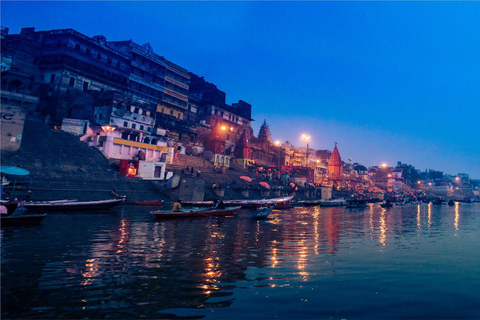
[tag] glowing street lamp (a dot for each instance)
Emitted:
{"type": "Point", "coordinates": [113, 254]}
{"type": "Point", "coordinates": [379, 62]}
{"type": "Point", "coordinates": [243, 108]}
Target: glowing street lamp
{"type": "Point", "coordinates": [384, 165]}
{"type": "Point", "coordinates": [277, 143]}
{"type": "Point", "coordinates": [306, 138]}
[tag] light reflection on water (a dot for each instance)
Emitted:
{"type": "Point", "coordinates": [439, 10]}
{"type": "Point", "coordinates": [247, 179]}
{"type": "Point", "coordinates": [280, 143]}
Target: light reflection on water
{"type": "Point", "coordinates": [404, 262]}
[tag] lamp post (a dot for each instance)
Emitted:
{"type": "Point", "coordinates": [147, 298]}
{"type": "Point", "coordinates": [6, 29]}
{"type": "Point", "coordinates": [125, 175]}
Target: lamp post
{"type": "Point", "coordinates": [306, 138]}
{"type": "Point", "coordinates": [224, 129]}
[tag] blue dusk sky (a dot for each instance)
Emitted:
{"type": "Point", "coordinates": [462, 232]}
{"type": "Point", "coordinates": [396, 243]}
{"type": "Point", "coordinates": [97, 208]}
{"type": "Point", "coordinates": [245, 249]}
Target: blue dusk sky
{"type": "Point", "coordinates": [388, 81]}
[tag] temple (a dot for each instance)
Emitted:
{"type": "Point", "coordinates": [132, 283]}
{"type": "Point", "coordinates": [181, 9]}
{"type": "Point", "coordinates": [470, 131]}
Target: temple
{"type": "Point", "coordinates": [335, 167]}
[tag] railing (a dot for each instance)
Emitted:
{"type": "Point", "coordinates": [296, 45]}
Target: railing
{"type": "Point", "coordinates": [20, 97]}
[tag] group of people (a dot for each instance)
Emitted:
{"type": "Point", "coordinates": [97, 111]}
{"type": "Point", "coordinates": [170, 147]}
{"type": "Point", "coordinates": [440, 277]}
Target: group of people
{"type": "Point", "coordinates": [191, 171]}
{"type": "Point", "coordinates": [177, 205]}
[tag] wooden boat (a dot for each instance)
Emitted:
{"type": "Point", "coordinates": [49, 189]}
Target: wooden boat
{"type": "Point", "coordinates": [262, 213]}
{"type": "Point", "coordinates": [10, 205]}
{"type": "Point", "coordinates": [356, 204]}
{"type": "Point", "coordinates": [437, 201]}
{"type": "Point", "coordinates": [278, 203]}
{"type": "Point", "coordinates": [196, 212]}
{"type": "Point", "coordinates": [332, 203]}
{"type": "Point", "coordinates": [22, 219]}
{"type": "Point", "coordinates": [147, 202]}
{"type": "Point", "coordinates": [386, 204]}
{"type": "Point", "coordinates": [71, 205]}
{"type": "Point", "coordinates": [197, 204]}
{"type": "Point", "coordinates": [308, 203]}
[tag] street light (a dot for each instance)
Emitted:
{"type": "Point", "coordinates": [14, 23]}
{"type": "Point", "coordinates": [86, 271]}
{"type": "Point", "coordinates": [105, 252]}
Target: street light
{"type": "Point", "coordinates": [277, 143]}
{"type": "Point", "coordinates": [306, 138]}
{"type": "Point", "coordinates": [384, 165]}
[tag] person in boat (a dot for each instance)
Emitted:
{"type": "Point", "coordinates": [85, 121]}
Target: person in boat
{"type": "Point", "coordinates": [221, 205]}
{"type": "Point", "coordinates": [114, 193]}
{"type": "Point", "coordinates": [177, 206]}
{"type": "Point", "coordinates": [215, 204]}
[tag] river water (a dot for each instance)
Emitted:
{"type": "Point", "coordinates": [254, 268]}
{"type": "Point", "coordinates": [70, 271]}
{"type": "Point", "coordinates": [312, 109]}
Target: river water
{"type": "Point", "coordinates": [309, 263]}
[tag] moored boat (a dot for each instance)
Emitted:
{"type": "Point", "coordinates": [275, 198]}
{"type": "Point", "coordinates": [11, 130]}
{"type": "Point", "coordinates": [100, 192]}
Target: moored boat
{"type": "Point", "coordinates": [22, 219]}
{"type": "Point", "coordinates": [10, 205]}
{"type": "Point", "coordinates": [196, 212]}
{"type": "Point", "coordinates": [386, 204]}
{"type": "Point", "coordinates": [278, 203]}
{"type": "Point", "coordinates": [306, 203]}
{"type": "Point", "coordinates": [356, 204]}
{"type": "Point", "coordinates": [71, 205]}
{"type": "Point", "coordinates": [332, 203]}
{"type": "Point", "coordinates": [262, 213]}
{"type": "Point", "coordinates": [147, 202]}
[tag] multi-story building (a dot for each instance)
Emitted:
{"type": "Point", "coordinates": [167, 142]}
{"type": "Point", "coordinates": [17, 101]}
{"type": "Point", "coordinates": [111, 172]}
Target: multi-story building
{"type": "Point", "coordinates": [212, 109]}
{"type": "Point", "coordinates": [133, 117]}
{"type": "Point", "coordinates": [72, 64]}
{"type": "Point", "coordinates": [20, 77]}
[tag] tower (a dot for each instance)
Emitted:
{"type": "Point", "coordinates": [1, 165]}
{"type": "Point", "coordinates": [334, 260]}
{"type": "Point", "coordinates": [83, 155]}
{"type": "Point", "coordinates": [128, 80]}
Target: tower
{"type": "Point", "coordinates": [335, 167]}
{"type": "Point", "coordinates": [264, 135]}
{"type": "Point", "coordinates": [242, 150]}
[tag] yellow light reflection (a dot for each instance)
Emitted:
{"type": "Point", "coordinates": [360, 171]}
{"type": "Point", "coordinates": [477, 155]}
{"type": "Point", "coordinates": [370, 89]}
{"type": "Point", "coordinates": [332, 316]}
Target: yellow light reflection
{"type": "Point", "coordinates": [383, 227]}
{"type": "Point", "coordinates": [419, 222]}
{"type": "Point", "coordinates": [429, 216]}
{"type": "Point", "coordinates": [371, 222]}
{"type": "Point", "coordinates": [457, 215]}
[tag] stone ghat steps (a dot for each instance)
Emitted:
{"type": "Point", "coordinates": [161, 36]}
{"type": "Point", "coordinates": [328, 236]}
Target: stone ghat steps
{"type": "Point", "coordinates": [93, 190]}
{"type": "Point", "coordinates": [192, 161]}
{"type": "Point", "coordinates": [62, 167]}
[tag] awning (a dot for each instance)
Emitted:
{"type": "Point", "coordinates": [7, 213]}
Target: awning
{"type": "Point", "coordinates": [15, 171]}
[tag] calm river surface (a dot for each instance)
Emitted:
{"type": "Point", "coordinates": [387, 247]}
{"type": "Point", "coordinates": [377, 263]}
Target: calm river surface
{"type": "Point", "coordinates": [312, 263]}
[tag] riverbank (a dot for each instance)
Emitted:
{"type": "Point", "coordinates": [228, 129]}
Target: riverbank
{"type": "Point", "coordinates": [62, 167]}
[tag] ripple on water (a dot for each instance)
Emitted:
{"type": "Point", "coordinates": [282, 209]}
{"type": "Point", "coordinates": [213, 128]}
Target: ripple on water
{"type": "Point", "coordinates": [406, 262]}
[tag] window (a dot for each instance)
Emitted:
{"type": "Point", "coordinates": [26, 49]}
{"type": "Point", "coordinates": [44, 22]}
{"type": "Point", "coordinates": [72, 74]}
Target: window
{"type": "Point", "coordinates": [136, 110]}
{"type": "Point", "coordinates": [71, 83]}
{"type": "Point", "coordinates": [125, 124]}
{"type": "Point", "coordinates": [109, 61]}
{"type": "Point", "coordinates": [88, 52]}
{"type": "Point", "coordinates": [77, 47]}
{"type": "Point", "coordinates": [141, 127]}
{"type": "Point", "coordinates": [118, 65]}
{"type": "Point", "coordinates": [99, 56]}
{"type": "Point", "coordinates": [133, 126]}
{"type": "Point", "coordinates": [85, 85]}
{"type": "Point", "coordinates": [171, 112]}
{"type": "Point", "coordinates": [52, 78]}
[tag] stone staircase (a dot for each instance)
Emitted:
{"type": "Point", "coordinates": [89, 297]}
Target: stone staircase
{"type": "Point", "coordinates": [63, 167]}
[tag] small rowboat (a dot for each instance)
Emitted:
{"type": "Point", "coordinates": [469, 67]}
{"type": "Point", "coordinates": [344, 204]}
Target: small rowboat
{"type": "Point", "coordinates": [332, 203]}
{"type": "Point", "coordinates": [23, 219]}
{"type": "Point", "coordinates": [262, 213]}
{"type": "Point", "coordinates": [10, 205]}
{"type": "Point", "coordinates": [195, 212]}
{"type": "Point", "coordinates": [306, 203]}
{"type": "Point", "coordinates": [148, 202]}
{"type": "Point", "coordinates": [71, 205]}
{"type": "Point", "coordinates": [386, 204]}
{"type": "Point", "coordinates": [357, 204]}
